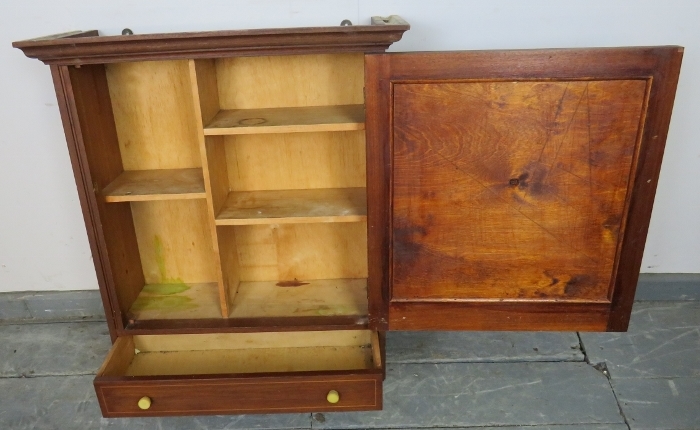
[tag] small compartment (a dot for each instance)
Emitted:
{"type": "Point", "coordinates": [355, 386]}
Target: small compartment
{"type": "Point", "coordinates": [301, 270]}
{"type": "Point", "coordinates": [287, 94]}
{"type": "Point", "coordinates": [156, 375]}
{"type": "Point", "coordinates": [178, 264]}
{"type": "Point", "coordinates": [157, 132]}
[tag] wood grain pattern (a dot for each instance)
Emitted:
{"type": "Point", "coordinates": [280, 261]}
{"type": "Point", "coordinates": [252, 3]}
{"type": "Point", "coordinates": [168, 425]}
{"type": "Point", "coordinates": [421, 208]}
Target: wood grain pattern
{"type": "Point", "coordinates": [262, 372]}
{"type": "Point", "coordinates": [118, 358]}
{"type": "Point", "coordinates": [154, 115]}
{"type": "Point", "coordinates": [290, 81]}
{"type": "Point", "coordinates": [171, 254]}
{"type": "Point", "coordinates": [246, 325]}
{"type": "Point", "coordinates": [261, 360]}
{"type": "Point", "coordinates": [164, 184]}
{"type": "Point", "coordinates": [294, 206]}
{"type": "Point", "coordinates": [301, 298]}
{"type": "Point", "coordinates": [213, 341]}
{"type": "Point", "coordinates": [92, 49]}
{"type": "Point", "coordinates": [287, 120]}
{"type": "Point", "coordinates": [378, 132]}
{"type": "Point", "coordinates": [296, 161]}
{"type": "Point", "coordinates": [664, 71]}
{"type": "Point", "coordinates": [88, 121]}
{"type": "Point", "coordinates": [494, 315]}
{"type": "Point", "coordinates": [225, 394]}
{"type": "Point", "coordinates": [657, 66]}
{"type": "Point", "coordinates": [511, 189]}
{"type": "Point", "coordinates": [302, 251]}
{"type": "Point", "coordinates": [176, 301]}
{"type": "Point", "coordinates": [205, 100]}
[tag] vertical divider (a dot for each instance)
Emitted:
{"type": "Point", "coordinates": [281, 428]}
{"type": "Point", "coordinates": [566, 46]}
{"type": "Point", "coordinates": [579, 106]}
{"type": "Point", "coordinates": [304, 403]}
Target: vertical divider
{"type": "Point", "coordinates": [206, 104]}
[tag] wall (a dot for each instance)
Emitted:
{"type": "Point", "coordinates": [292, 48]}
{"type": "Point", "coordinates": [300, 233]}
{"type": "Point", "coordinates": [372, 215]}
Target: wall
{"type": "Point", "coordinates": [43, 245]}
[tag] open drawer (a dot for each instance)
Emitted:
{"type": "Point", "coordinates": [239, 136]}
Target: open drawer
{"type": "Point", "coordinates": [234, 373]}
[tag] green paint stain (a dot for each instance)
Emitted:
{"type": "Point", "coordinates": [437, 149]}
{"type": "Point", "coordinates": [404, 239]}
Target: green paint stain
{"type": "Point", "coordinates": [160, 256]}
{"type": "Point", "coordinates": [160, 261]}
{"type": "Point", "coordinates": [164, 303]}
{"type": "Point", "coordinates": [325, 310]}
{"type": "Point", "coordinates": [165, 289]}
{"type": "Point", "coordinates": [163, 296]}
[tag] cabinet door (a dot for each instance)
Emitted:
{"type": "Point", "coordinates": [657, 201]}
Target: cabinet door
{"type": "Point", "coordinates": [512, 190]}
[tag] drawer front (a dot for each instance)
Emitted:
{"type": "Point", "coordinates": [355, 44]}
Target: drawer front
{"type": "Point", "coordinates": [238, 395]}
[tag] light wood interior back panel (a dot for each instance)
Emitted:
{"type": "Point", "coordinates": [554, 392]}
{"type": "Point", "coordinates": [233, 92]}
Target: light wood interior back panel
{"type": "Point", "coordinates": [289, 81]}
{"type": "Point", "coordinates": [296, 161]}
{"type": "Point", "coordinates": [302, 251]}
{"type": "Point", "coordinates": [174, 241]}
{"type": "Point", "coordinates": [511, 190]}
{"type": "Point", "coordinates": [154, 115]}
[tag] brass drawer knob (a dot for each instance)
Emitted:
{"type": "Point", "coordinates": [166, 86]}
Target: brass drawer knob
{"type": "Point", "coordinates": [333, 396]}
{"type": "Point", "coordinates": [144, 402]}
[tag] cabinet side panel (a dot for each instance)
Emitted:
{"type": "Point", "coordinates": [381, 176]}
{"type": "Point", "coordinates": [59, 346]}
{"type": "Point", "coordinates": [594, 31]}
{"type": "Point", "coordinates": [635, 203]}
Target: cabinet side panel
{"type": "Point", "coordinates": [89, 122]}
{"type": "Point", "coordinates": [378, 130]}
{"type": "Point", "coordinates": [665, 73]}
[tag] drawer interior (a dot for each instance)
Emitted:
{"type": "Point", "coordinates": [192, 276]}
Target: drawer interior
{"type": "Point", "coordinates": [242, 353]}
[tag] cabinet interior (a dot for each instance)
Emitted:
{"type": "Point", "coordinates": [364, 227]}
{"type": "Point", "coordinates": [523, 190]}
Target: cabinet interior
{"type": "Point", "coordinates": [226, 353]}
{"type": "Point", "coordinates": [245, 180]}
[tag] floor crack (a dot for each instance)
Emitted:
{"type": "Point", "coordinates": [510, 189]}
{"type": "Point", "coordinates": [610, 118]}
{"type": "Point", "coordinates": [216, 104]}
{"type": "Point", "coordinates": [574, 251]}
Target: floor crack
{"type": "Point", "coordinates": [603, 368]}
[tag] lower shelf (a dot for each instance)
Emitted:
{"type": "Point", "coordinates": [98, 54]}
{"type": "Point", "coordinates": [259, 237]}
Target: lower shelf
{"type": "Point", "coordinates": [256, 303]}
{"type": "Point", "coordinates": [177, 302]}
{"type": "Point", "coordinates": [158, 375]}
{"type": "Point", "coordinates": [323, 297]}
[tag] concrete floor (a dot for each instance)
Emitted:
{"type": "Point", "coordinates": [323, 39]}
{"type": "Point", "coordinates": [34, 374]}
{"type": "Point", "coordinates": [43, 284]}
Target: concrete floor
{"type": "Point", "coordinates": [647, 378]}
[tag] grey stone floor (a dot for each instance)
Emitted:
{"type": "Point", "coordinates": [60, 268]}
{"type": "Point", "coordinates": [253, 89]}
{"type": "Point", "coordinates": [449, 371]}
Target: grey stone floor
{"type": "Point", "coordinates": [647, 378]}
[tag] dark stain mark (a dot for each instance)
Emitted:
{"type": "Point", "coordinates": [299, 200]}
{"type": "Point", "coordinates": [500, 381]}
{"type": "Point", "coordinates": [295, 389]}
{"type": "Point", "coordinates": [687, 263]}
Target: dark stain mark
{"type": "Point", "coordinates": [578, 283]}
{"type": "Point", "coordinates": [320, 418]}
{"type": "Point", "coordinates": [294, 283]}
{"type": "Point", "coordinates": [612, 222]}
{"type": "Point", "coordinates": [252, 121]}
{"type": "Point", "coordinates": [554, 279]}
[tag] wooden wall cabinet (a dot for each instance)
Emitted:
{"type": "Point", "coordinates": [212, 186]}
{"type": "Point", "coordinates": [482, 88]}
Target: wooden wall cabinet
{"type": "Point", "coordinates": [264, 205]}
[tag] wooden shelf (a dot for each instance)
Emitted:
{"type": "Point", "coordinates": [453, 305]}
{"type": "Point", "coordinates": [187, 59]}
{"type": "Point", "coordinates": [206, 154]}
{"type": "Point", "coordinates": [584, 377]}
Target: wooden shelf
{"type": "Point", "coordinates": [294, 206]}
{"type": "Point", "coordinates": [166, 184]}
{"type": "Point", "coordinates": [287, 120]}
{"type": "Point", "coordinates": [177, 301]}
{"type": "Point", "coordinates": [314, 298]}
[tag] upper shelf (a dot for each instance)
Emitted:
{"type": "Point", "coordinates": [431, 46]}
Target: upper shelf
{"type": "Point", "coordinates": [87, 47]}
{"type": "Point", "coordinates": [287, 120]}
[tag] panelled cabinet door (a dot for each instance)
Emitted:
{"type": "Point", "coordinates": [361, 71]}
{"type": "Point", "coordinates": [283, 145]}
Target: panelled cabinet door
{"type": "Point", "coordinates": [512, 190]}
